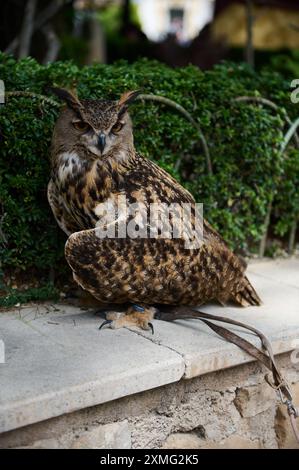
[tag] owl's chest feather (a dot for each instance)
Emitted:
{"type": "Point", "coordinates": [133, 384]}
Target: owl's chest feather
{"type": "Point", "coordinates": [82, 185]}
{"type": "Point", "coordinates": [88, 187]}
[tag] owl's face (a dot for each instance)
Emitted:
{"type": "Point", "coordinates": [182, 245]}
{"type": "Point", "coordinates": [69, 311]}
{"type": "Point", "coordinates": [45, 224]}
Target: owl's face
{"type": "Point", "coordinates": [99, 128]}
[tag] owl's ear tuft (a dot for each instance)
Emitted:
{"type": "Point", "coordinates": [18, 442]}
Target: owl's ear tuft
{"type": "Point", "coordinates": [128, 97]}
{"type": "Point", "coordinates": [70, 98]}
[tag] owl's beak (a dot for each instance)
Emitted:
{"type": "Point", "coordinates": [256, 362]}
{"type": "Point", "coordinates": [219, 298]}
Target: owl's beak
{"type": "Point", "coordinates": [101, 142]}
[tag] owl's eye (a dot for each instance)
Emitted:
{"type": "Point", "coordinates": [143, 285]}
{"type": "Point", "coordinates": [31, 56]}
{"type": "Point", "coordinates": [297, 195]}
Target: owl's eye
{"type": "Point", "coordinates": [117, 127]}
{"type": "Point", "coordinates": [81, 126]}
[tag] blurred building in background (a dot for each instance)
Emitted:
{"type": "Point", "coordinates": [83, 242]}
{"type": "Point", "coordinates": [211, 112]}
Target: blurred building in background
{"type": "Point", "coordinates": [275, 23]}
{"type": "Point", "coordinates": [177, 32]}
{"type": "Point", "coordinates": [181, 18]}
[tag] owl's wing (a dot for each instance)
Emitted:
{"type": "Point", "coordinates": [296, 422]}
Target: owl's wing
{"type": "Point", "coordinates": [62, 216]}
{"type": "Point", "coordinates": [156, 271]}
{"type": "Point", "coordinates": [149, 182]}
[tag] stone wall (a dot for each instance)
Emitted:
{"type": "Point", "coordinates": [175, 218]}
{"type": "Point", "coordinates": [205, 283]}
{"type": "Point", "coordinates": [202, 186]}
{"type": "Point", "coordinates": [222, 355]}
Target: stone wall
{"type": "Point", "coordinates": [232, 408]}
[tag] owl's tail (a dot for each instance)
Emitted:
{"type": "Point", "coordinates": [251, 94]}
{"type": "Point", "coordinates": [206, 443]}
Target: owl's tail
{"type": "Point", "coordinates": [246, 294]}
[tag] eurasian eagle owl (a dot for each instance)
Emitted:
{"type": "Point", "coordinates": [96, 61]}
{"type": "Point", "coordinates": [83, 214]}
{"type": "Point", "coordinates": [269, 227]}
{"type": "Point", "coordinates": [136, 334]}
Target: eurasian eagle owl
{"type": "Point", "coordinates": [94, 166]}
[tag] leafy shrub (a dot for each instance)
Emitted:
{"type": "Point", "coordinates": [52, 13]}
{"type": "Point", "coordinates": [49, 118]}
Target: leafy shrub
{"type": "Point", "coordinates": [243, 139]}
{"type": "Point", "coordinates": [286, 63]}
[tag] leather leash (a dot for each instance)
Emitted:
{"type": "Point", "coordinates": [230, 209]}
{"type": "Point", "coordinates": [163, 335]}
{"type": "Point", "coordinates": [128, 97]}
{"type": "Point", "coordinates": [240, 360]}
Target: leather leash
{"type": "Point", "coordinates": [265, 356]}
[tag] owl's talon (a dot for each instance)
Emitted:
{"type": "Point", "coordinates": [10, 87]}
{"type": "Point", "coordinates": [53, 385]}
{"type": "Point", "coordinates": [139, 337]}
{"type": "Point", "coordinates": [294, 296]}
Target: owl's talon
{"type": "Point", "coordinates": [106, 322]}
{"type": "Point", "coordinates": [139, 317]}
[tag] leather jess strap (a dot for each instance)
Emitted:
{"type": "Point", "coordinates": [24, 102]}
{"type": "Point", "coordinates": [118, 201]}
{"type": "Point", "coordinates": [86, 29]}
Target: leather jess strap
{"type": "Point", "coordinates": [264, 355]}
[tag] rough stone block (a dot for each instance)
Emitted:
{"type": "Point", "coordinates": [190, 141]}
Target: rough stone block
{"type": "Point", "coordinates": [183, 441]}
{"type": "Point", "coordinates": [234, 442]}
{"type": "Point", "coordinates": [191, 441]}
{"type": "Point", "coordinates": [253, 400]}
{"type": "Point", "coordinates": [108, 436]}
{"type": "Point", "coordinates": [43, 444]}
{"type": "Point", "coordinates": [283, 428]}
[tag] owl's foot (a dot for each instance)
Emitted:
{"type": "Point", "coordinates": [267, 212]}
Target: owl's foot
{"type": "Point", "coordinates": [136, 315]}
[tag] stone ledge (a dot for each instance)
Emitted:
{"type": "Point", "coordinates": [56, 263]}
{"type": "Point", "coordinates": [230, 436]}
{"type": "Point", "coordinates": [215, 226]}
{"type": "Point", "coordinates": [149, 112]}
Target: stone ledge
{"type": "Point", "coordinates": [58, 362]}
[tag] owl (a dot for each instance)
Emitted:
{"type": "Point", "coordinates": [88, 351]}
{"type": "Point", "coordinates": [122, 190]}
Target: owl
{"type": "Point", "coordinates": [100, 187]}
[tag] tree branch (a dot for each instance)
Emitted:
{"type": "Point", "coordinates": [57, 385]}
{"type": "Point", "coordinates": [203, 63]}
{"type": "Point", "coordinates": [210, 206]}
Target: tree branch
{"type": "Point", "coordinates": [249, 28]}
{"type": "Point", "coordinates": [53, 44]}
{"type": "Point", "coordinates": [188, 116]}
{"type": "Point", "coordinates": [290, 133]}
{"type": "Point", "coordinates": [30, 94]}
{"type": "Point", "coordinates": [292, 237]}
{"type": "Point", "coordinates": [295, 27]}
{"type": "Point", "coordinates": [27, 28]}
{"type": "Point", "coordinates": [41, 19]}
{"type": "Point", "coordinates": [265, 101]}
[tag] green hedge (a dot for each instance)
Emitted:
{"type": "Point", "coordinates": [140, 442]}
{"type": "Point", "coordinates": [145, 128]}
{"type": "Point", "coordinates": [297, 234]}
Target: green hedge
{"type": "Point", "coordinates": [243, 139]}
